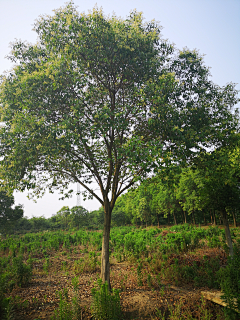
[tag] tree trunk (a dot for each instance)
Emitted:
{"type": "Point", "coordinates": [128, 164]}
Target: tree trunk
{"type": "Point", "coordinates": [174, 217]}
{"type": "Point", "coordinates": [214, 218]}
{"type": "Point", "coordinates": [184, 212]}
{"type": "Point", "coordinates": [182, 216]}
{"type": "Point", "coordinates": [227, 231]}
{"type": "Point", "coordinates": [234, 219]}
{"type": "Point", "coordinates": [158, 220]}
{"type": "Point", "coordinates": [220, 220]}
{"type": "Point", "coordinates": [168, 219]}
{"type": "Point", "coordinates": [105, 265]}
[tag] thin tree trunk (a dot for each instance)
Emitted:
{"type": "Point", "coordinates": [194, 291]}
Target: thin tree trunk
{"type": "Point", "coordinates": [227, 232]}
{"type": "Point", "coordinates": [182, 216]}
{"type": "Point", "coordinates": [158, 220]}
{"type": "Point", "coordinates": [234, 219]}
{"type": "Point", "coordinates": [174, 217]}
{"type": "Point", "coordinates": [168, 219]}
{"type": "Point", "coordinates": [105, 265]}
{"type": "Point", "coordinates": [184, 212]}
{"type": "Point", "coordinates": [214, 218]}
{"type": "Point", "coordinates": [211, 214]}
{"type": "Point", "coordinates": [220, 220]}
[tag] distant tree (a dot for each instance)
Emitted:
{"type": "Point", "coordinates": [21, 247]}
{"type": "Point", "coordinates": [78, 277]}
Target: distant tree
{"type": "Point", "coordinates": [63, 216]}
{"type": "Point", "coordinates": [79, 217]}
{"type": "Point", "coordinates": [105, 99]}
{"type": "Point", "coordinates": [23, 225]}
{"type": "Point", "coordinates": [8, 214]}
{"type": "Point", "coordinates": [222, 182]}
{"type": "Point", "coordinates": [189, 191]}
{"type": "Point", "coordinates": [119, 213]}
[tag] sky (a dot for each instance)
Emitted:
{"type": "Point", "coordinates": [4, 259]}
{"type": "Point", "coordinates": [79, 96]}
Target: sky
{"type": "Point", "coordinates": [210, 26]}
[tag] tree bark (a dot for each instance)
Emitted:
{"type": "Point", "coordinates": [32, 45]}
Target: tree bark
{"type": "Point", "coordinates": [182, 216]}
{"type": "Point", "coordinates": [105, 265]}
{"type": "Point", "coordinates": [220, 220]}
{"type": "Point", "coordinates": [227, 231]}
{"type": "Point", "coordinates": [184, 212]}
{"type": "Point", "coordinates": [174, 217]}
{"type": "Point", "coordinates": [214, 218]}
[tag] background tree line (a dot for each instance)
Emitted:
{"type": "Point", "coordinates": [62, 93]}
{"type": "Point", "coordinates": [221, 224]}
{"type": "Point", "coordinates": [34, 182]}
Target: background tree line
{"type": "Point", "coordinates": [194, 194]}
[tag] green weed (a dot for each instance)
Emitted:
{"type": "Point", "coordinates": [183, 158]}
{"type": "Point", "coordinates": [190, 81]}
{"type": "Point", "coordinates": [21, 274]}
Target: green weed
{"type": "Point", "coordinates": [105, 305]}
{"type": "Point", "coordinates": [68, 309]}
{"type": "Point", "coordinates": [22, 273]}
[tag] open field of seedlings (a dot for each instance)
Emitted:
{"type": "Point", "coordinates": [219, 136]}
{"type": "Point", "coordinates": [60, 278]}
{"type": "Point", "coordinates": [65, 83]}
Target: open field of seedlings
{"type": "Point", "coordinates": [156, 273]}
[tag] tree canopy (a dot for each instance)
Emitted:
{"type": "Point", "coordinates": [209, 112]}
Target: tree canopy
{"type": "Point", "coordinates": [8, 214]}
{"type": "Point", "coordinates": [105, 99]}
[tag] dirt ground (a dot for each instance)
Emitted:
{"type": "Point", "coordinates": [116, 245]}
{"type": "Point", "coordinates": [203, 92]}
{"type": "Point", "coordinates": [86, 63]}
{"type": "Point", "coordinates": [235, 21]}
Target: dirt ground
{"type": "Point", "coordinates": [40, 298]}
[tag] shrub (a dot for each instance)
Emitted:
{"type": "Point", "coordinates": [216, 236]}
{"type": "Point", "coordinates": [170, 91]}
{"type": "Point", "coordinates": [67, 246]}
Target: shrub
{"type": "Point", "coordinates": [89, 263]}
{"type": "Point", "coordinates": [105, 306]}
{"type": "Point", "coordinates": [22, 273]}
{"type": "Point", "coordinates": [6, 311]}
{"type": "Point", "coordinates": [229, 279]}
{"type": "Point", "coordinates": [68, 309]}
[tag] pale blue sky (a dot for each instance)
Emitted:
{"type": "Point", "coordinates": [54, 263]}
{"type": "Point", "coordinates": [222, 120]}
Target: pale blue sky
{"type": "Point", "coordinates": [210, 26]}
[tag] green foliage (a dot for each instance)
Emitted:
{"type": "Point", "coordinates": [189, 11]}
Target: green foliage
{"type": "Point", "coordinates": [46, 265]}
{"type": "Point", "coordinates": [89, 263]}
{"type": "Point", "coordinates": [68, 309]}
{"type": "Point", "coordinates": [3, 287]}
{"type": "Point", "coordinates": [189, 190]}
{"type": "Point", "coordinates": [6, 308]}
{"type": "Point", "coordinates": [22, 273]}
{"type": "Point", "coordinates": [113, 115]}
{"type": "Point", "coordinates": [105, 305]}
{"type": "Point", "coordinates": [8, 214]}
{"type": "Point", "coordinates": [183, 312]}
{"type": "Point", "coordinates": [229, 278]}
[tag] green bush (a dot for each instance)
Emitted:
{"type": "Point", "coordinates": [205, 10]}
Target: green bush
{"type": "Point", "coordinates": [105, 306]}
{"type": "Point", "coordinates": [229, 279]}
{"type": "Point", "coordinates": [22, 273]}
{"type": "Point", "coordinates": [5, 303]}
{"type": "Point", "coordinates": [68, 309]}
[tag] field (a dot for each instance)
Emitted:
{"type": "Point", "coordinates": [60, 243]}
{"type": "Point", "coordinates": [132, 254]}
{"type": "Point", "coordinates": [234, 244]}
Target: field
{"type": "Point", "coordinates": [160, 272]}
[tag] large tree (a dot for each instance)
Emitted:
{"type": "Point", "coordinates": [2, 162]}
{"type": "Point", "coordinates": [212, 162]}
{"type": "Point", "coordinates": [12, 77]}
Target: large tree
{"type": "Point", "coordinates": [104, 99]}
